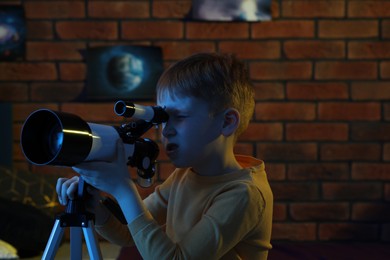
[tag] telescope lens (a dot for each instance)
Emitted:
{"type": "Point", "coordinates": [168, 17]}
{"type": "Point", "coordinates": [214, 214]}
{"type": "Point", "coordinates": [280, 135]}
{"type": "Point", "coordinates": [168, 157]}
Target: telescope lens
{"type": "Point", "coordinates": [45, 141]}
{"type": "Point", "coordinates": [55, 139]}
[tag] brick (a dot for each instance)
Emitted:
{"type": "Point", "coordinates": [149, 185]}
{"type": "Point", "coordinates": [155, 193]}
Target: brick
{"type": "Point", "coordinates": [349, 111]}
{"type": "Point", "coordinates": [385, 70]}
{"type": "Point", "coordinates": [17, 153]}
{"type": "Point", "coordinates": [362, 211]}
{"type": "Point", "coordinates": [351, 191]}
{"type": "Point", "coordinates": [386, 152]}
{"type": "Point", "coordinates": [252, 49]}
{"type": "Point", "coordinates": [318, 171]}
{"type": "Point", "coordinates": [387, 191]}
{"type": "Point", "coordinates": [279, 212]}
{"type": "Point", "coordinates": [263, 132]}
{"type": "Point", "coordinates": [344, 70]}
{"type": "Point", "coordinates": [369, 50]}
{"type": "Point", "coordinates": [386, 29]}
{"type": "Point", "coordinates": [370, 132]}
{"type": "Point", "coordinates": [13, 92]}
{"type": "Point", "coordinates": [93, 112]}
{"type": "Point", "coordinates": [47, 170]}
{"type": "Point", "coordinates": [119, 10]}
{"type": "Point", "coordinates": [317, 90]}
{"type": "Point", "coordinates": [319, 211]}
{"type": "Point", "coordinates": [269, 91]}
{"type": "Point", "coordinates": [386, 112]}
{"type": "Point", "coordinates": [72, 71]}
{"type": "Point", "coordinates": [54, 50]}
{"type": "Point", "coordinates": [313, 9]}
{"type": "Point", "coordinates": [16, 130]}
{"type": "Point", "coordinates": [59, 92]}
{"type": "Point", "coordinates": [244, 148]}
{"type": "Point", "coordinates": [11, 2]}
{"type": "Point", "coordinates": [350, 152]}
{"type": "Point", "coordinates": [275, 171]}
{"type": "Point", "coordinates": [90, 30]}
{"type": "Point", "coordinates": [20, 111]}
{"type": "Point", "coordinates": [93, 44]}
{"type": "Point", "coordinates": [369, 9]}
{"type": "Point", "coordinates": [316, 132]}
{"type": "Point", "coordinates": [287, 151]}
{"type": "Point", "coordinates": [314, 49]}
{"type": "Point", "coordinates": [54, 9]}
{"type": "Point", "coordinates": [348, 29]}
{"type": "Point", "coordinates": [171, 9]}
{"type": "Point", "coordinates": [27, 71]}
{"type": "Point", "coordinates": [371, 171]}
{"type": "Point", "coordinates": [39, 30]}
{"type": "Point", "coordinates": [133, 30]}
{"type": "Point", "coordinates": [280, 70]}
{"type": "Point", "coordinates": [284, 111]}
{"type": "Point", "coordinates": [370, 90]}
{"type": "Point", "coordinates": [23, 166]}
{"type": "Point", "coordinates": [294, 231]}
{"type": "Point", "coordinates": [348, 232]}
{"type": "Point", "coordinates": [213, 30]}
{"type": "Point", "coordinates": [176, 50]}
{"type": "Point", "coordinates": [283, 29]}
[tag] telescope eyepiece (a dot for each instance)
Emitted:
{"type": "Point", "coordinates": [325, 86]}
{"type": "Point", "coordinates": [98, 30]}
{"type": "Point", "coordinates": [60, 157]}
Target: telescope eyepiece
{"type": "Point", "coordinates": [152, 114]}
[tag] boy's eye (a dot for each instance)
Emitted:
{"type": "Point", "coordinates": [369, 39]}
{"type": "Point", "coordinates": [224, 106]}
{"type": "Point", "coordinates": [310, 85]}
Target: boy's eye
{"type": "Point", "coordinates": [180, 117]}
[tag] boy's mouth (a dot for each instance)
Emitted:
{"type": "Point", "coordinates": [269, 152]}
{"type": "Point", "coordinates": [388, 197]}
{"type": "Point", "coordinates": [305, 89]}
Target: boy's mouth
{"type": "Point", "coordinates": [171, 147]}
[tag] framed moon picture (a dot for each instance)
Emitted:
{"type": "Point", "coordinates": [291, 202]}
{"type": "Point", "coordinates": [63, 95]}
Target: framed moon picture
{"type": "Point", "coordinates": [123, 72]}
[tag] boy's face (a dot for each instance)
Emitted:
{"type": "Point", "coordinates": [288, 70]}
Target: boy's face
{"type": "Point", "coordinates": [191, 137]}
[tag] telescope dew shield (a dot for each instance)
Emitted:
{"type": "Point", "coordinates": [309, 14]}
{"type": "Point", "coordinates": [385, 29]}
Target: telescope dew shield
{"type": "Point", "coordinates": [56, 138]}
{"type": "Point", "coordinates": [64, 139]}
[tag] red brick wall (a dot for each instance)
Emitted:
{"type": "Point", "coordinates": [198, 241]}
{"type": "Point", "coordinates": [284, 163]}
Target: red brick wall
{"type": "Point", "coordinates": [322, 75]}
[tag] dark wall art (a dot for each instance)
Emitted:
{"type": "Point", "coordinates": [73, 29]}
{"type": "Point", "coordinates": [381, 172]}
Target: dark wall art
{"type": "Point", "coordinates": [128, 72]}
{"type": "Point", "coordinates": [12, 32]}
{"type": "Point", "coordinates": [231, 10]}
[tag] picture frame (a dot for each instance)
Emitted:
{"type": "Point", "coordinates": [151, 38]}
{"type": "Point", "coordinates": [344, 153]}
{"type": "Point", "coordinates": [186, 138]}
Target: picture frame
{"type": "Point", "coordinates": [12, 33]}
{"type": "Point", "coordinates": [231, 10]}
{"type": "Point", "coordinates": [123, 72]}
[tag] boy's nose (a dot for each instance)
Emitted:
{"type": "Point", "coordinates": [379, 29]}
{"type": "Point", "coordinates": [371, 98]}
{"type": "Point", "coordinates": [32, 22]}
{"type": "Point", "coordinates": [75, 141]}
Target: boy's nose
{"type": "Point", "coordinates": [168, 130]}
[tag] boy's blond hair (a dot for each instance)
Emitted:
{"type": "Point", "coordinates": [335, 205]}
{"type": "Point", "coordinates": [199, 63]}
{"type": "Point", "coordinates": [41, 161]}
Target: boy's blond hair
{"type": "Point", "coordinates": [219, 79]}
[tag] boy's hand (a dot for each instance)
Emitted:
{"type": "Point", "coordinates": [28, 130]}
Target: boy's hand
{"type": "Point", "coordinates": [106, 176]}
{"type": "Point", "coordinates": [67, 190]}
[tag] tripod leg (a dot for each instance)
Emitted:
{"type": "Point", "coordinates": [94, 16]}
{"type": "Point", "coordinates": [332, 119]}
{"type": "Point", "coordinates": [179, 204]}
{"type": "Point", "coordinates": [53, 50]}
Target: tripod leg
{"type": "Point", "coordinates": [91, 241]}
{"type": "Point", "coordinates": [76, 243]}
{"type": "Point", "coordinates": [53, 242]}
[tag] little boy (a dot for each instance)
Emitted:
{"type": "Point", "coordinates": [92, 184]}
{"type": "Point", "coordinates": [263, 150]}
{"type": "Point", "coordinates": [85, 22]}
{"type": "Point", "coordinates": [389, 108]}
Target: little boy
{"type": "Point", "coordinates": [215, 205]}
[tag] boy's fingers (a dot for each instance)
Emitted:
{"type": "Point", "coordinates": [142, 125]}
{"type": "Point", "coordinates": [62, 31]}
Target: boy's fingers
{"type": "Point", "coordinates": [66, 188]}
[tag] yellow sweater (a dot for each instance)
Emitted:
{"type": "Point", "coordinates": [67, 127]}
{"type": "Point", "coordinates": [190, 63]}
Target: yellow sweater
{"type": "Point", "coordinates": [197, 217]}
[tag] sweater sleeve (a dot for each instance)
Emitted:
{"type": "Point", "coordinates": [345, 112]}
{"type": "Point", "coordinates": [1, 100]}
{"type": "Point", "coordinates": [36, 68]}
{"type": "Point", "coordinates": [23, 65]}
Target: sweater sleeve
{"type": "Point", "coordinates": [156, 203]}
{"type": "Point", "coordinates": [229, 217]}
{"type": "Point", "coordinates": [115, 232]}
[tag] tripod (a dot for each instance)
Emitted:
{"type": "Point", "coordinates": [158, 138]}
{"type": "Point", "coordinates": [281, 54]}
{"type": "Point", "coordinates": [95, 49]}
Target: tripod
{"type": "Point", "coordinates": [79, 221]}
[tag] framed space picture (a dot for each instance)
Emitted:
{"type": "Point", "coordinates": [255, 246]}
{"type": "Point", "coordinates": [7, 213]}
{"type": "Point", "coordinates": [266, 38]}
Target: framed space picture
{"type": "Point", "coordinates": [123, 72]}
{"type": "Point", "coordinates": [12, 32]}
{"type": "Point", "coordinates": [231, 10]}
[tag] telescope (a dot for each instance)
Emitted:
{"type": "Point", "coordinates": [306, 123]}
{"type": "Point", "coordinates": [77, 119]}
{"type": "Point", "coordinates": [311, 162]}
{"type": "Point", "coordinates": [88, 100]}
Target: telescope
{"type": "Point", "coordinates": [57, 138]}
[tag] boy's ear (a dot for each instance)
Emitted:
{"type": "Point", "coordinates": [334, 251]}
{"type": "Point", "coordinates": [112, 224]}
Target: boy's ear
{"type": "Point", "coordinates": [230, 122]}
